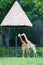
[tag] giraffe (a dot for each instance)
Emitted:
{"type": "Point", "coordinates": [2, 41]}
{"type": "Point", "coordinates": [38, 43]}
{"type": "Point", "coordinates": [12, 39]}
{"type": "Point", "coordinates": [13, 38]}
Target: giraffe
{"type": "Point", "coordinates": [24, 46]}
{"type": "Point", "coordinates": [30, 44]}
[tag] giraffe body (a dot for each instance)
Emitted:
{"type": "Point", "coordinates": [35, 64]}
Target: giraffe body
{"type": "Point", "coordinates": [29, 43]}
{"type": "Point", "coordinates": [24, 46]}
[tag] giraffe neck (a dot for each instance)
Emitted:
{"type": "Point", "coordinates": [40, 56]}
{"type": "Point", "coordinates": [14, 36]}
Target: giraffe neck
{"type": "Point", "coordinates": [26, 38]}
{"type": "Point", "coordinates": [21, 40]}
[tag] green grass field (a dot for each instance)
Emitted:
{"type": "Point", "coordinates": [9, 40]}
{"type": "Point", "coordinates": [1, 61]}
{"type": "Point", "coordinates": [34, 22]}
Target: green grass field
{"type": "Point", "coordinates": [21, 61]}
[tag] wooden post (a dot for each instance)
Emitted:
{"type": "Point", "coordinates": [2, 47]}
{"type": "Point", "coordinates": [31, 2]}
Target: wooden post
{"type": "Point", "coordinates": [1, 40]}
{"type": "Point", "coordinates": [16, 41]}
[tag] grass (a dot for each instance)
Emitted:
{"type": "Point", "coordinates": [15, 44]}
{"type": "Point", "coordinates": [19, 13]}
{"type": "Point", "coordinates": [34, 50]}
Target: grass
{"type": "Point", "coordinates": [21, 61]}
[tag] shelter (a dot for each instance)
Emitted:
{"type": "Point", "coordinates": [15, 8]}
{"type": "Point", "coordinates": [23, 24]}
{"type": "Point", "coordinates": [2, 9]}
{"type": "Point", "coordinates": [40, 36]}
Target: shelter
{"type": "Point", "coordinates": [16, 17]}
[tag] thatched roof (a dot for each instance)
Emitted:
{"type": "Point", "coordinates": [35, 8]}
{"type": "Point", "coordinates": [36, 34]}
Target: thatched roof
{"type": "Point", "coordinates": [16, 17]}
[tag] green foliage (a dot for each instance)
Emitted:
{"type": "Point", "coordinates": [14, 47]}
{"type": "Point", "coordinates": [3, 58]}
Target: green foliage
{"type": "Point", "coordinates": [31, 53]}
{"type": "Point", "coordinates": [39, 52]}
{"type": "Point", "coordinates": [39, 5]}
{"type": "Point", "coordinates": [7, 52]}
{"type": "Point", "coordinates": [5, 5]}
{"type": "Point", "coordinates": [11, 52]}
{"type": "Point", "coordinates": [1, 52]}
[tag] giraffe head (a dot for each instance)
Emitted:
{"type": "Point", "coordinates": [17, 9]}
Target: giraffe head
{"type": "Point", "coordinates": [23, 34]}
{"type": "Point", "coordinates": [19, 35]}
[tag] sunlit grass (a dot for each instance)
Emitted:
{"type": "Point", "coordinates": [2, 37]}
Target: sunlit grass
{"type": "Point", "coordinates": [21, 61]}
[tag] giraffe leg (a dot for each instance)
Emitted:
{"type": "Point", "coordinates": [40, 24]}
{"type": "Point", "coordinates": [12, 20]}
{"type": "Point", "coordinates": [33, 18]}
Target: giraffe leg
{"type": "Point", "coordinates": [35, 55]}
{"type": "Point", "coordinates": [27, 52]}
{"type": "Point", "coordinates": [23, 52]}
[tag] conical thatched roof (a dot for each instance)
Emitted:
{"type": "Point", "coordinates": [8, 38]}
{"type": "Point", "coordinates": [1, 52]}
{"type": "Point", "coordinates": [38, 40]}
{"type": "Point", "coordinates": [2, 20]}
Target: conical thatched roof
{"type": "Point", "coordinates": [16, 17]}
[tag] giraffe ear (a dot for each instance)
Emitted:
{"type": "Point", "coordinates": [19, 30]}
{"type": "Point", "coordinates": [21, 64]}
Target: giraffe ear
{"type": "Point", "coordinates": [22, 34]}
{"type": "Point", "coordinates": [19, 35]}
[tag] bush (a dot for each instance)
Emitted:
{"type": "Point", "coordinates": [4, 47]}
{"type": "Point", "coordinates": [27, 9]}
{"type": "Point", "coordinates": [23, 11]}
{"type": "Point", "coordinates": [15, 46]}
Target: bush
{"type": "Point", "coordinates": [2, 52]}
{"type": "Point", "coordinates": [10, 52]}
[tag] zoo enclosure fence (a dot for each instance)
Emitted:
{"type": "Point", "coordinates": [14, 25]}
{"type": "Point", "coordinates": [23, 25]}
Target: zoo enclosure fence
{"type": "Point", "coordinates": [11, 52]}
